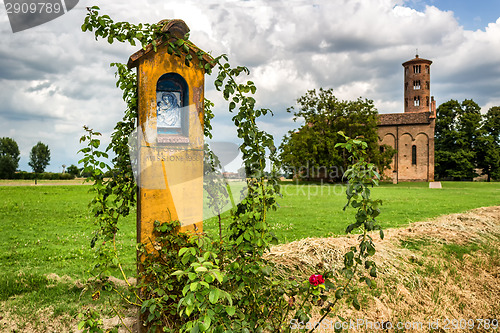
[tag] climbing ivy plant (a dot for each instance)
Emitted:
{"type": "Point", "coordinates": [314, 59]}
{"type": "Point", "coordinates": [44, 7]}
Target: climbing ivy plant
{"type": "Point", "coordinates": [189, 282]}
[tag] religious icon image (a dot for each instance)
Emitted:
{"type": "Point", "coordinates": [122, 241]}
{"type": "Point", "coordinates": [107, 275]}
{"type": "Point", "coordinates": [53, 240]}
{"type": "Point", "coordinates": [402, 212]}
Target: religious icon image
{"type": "Point", "coordinates": [168, 110]}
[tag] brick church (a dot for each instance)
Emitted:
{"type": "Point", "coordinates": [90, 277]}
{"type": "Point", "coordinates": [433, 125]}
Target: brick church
{"type": "Point", "coordinates": [412, 133]}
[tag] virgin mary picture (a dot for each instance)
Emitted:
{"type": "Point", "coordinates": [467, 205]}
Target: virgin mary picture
{"type": "Point", "coordinates": [168, 111]}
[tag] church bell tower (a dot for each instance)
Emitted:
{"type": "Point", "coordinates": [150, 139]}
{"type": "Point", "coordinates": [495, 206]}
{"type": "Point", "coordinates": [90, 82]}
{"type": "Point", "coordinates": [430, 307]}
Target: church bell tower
{"type": "Point", "coordinates": [417, 88]}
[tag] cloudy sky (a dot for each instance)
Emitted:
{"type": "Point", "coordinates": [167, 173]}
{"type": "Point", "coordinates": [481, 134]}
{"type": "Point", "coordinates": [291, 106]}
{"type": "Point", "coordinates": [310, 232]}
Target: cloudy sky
{"type": "Point", "coordinates": [54, 78]}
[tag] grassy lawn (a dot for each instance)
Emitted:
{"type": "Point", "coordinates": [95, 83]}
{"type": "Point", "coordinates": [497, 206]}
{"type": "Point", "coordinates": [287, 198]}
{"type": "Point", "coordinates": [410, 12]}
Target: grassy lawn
{"type": "Point", "coordinates": [316, 211]}
{"type": "Point", "coordinates": [47, 229]}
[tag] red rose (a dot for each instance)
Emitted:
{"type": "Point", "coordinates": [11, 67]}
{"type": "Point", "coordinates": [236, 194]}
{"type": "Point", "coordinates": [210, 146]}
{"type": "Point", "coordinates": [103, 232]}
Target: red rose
{"type": "Point", "coordinates": [316, 279]}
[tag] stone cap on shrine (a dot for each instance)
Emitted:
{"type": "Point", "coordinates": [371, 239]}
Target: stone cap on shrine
{"type": "Point", "coordinates": [177, 29]}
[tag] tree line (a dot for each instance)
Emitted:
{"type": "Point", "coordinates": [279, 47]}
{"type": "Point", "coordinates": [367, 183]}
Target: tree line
{"type": "Point", "coordinates": [467, 143]}
{"type": "Point", "coordinates": [10, 156]}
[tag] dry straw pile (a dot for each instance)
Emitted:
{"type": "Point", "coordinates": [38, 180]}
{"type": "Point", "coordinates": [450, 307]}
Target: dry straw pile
{"type": "Point", "coordinates": [421, 283]}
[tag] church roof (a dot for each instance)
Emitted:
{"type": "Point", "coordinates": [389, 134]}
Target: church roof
{"type": "Point", "coordinates": [408, 118]}
{"type": "Point", "coordinates": [417, 60]}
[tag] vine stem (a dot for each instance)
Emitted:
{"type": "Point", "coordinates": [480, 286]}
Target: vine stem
{"type": "Point", "coordinates": [252, 120]}
{"type": "Point", "coordinates": [125, 299]}
{"type": "Point", "coordinates": [305, 298]}
{"type": "Point", "coordinates": [121, 319]}
{"type": "Point", "coordinates": [121, 269]}
{"type": "Point", "coordinates": [220, 228]}
{"type": "Point", "coordinates": [230, 193]}
{"type": "Point", "coordinates": [331, 305]}
{"type": "Point", "coordinates": [284, 316]}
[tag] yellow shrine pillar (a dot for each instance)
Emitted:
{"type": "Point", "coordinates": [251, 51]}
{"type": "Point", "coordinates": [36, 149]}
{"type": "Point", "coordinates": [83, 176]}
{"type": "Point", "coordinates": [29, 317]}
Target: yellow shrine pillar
{"type": "Point", "coordinates": [170, 136]}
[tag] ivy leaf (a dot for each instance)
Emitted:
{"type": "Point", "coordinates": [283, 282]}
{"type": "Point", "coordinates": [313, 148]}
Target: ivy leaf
{"type": "Point", "coordinates": [213, 297]}
{"type": "Point", "coordinates": [196, 328]}
{"type": "Point", "coordinates": [339, 293]}
{"type": "Point", "coordinates": [350, 228]}
{"type": "Point", "coordinates": [355, 303]}
{"type": "Point", "coordinates": [200, 269]}
{"type": "Point", "coordinates": [370, 249]}
{"type": "Point", "coordinates": [356, 204]}
{"type": "Point", "coordinates": [230, 310]}
{"type": "Point", "coordinates": [348, 259]}
{"type": "Point", "coordinates": [373, 272]}
{"type": "Point", "coordinates": [207, 322]}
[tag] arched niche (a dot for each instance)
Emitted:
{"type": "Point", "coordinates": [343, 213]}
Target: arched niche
{"type": "Point", "coordinates": [172, 108]}
{"type": "Point", "coordinates": [389, 139]}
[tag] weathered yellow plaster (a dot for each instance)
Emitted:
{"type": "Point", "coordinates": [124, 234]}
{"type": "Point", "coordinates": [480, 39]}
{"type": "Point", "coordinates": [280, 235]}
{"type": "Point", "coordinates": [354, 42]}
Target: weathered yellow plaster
{"type": "Point", "coordinates": [176, 174]}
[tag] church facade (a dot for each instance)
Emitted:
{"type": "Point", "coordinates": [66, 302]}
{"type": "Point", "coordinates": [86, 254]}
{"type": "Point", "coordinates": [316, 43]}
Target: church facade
{"type": "Point", "coordinates": [411, 133]}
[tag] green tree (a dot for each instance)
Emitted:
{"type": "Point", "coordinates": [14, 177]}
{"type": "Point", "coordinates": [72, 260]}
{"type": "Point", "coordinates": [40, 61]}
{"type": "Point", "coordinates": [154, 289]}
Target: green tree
{"type": "Point", "coordinates": [310, 151]}
{"type": "Point", "coordinates": [488, 153]}
{"type": "Point", "coordinates": [457, 138]}
{"type": "Point", "coordinates": [39, 157]}
{"type": "Point", "coordinates": [9, 157]}
{"type": "Point", "coordinates": [73, 170]}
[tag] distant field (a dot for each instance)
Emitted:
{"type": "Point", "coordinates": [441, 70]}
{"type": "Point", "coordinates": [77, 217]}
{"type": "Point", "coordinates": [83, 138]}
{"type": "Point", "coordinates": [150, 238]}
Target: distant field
{"type": "Point", "coordinates": [30, 182]}
{"type": "Point", "coordinates": [312, 210]}
{"type": "Point", "coordinates": [316, 211]}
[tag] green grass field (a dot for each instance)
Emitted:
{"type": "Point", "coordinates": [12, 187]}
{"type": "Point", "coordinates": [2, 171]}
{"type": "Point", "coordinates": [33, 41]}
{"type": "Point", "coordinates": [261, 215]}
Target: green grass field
{"type": "Point", "coordinates": [316, 211]}
{"type": "Point", "coordinates": [47, 229]}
